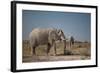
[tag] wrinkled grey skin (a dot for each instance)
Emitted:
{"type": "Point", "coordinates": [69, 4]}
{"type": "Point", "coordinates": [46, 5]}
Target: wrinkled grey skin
{"type": "Point", "coordinates": [47, 37]}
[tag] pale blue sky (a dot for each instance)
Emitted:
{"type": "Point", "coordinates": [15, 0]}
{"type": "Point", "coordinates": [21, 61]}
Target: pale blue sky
{"type": "Point", "coordinates": [72, 24]}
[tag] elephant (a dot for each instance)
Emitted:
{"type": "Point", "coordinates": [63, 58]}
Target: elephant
{"type": "Point", "coordinates": [72, 41]}
{"type": "Point", "coordinates": [46, 36]}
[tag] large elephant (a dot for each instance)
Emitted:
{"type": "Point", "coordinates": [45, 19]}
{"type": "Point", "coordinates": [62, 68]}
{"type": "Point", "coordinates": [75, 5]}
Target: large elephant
{"type": "Point", "coordinates": [46, 36]}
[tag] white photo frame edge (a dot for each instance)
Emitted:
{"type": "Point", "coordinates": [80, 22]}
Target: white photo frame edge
{"type": "Point", "coordinates": [13, 35]}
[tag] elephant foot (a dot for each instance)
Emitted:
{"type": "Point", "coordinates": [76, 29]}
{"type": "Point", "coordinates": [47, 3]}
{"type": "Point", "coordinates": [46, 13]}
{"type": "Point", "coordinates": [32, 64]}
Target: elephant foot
{"type": "Point", "coordinates": [34, 54]}
{"type": "Point", "coordinates": [48, 54]}
{"type": "Point", "coordinates": [54, 54]}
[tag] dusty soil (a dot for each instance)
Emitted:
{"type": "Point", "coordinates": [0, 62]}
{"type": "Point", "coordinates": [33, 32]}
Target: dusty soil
{"type": "Point", "coordinates": [53, 58]}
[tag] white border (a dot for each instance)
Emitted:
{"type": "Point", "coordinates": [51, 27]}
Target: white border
{"type": "Point", "coordinates": [37, 65]}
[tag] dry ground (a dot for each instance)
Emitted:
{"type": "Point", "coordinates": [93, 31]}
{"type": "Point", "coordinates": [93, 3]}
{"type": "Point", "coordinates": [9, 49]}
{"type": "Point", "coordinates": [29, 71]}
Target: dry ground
{"type": "Point", "coordinates": [79, 51]}
{"type": "Point", "coordinates": [54, 58]}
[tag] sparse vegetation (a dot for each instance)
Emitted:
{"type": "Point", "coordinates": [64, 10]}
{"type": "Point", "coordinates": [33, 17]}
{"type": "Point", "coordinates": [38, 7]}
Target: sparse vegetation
{"type": "Point", "coordinates": [79, 51]}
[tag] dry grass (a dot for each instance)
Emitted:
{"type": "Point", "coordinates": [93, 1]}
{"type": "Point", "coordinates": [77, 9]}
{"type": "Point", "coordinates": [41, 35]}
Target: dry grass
{"type": "Point", "coordinates": [81, 49]}
{"type": "Point", "coordinates": [41, 49]}
{"type": "Point", "coordinates": [77, 51]}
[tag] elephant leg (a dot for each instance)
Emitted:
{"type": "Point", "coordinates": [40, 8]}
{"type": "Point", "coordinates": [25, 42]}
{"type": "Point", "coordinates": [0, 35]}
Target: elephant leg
{"type": "Point", "coordinates": [48, 48]}
{"type": "Point", "coordinates": [55, 48]}
{"type": "Point", "coordinates": [34, 51]}
{"type": "Point", "coordinates": [70, 44]}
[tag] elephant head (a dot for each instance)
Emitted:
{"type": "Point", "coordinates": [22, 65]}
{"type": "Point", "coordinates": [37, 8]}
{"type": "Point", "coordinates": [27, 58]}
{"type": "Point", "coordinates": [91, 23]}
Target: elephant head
{"type": "Point", "coordinates": [61, 35]}
{"type": "Point", "coordinates": [56, 35]}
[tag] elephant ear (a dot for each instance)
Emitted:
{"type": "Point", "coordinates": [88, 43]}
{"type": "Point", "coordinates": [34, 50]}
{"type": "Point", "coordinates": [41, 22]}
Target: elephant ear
{"type": "Point", "coordinates": [52, 35]}
{"type": "Point", "coordinates": [61, 34]}
{"type": "Point", "coordinates": [59, 31]}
